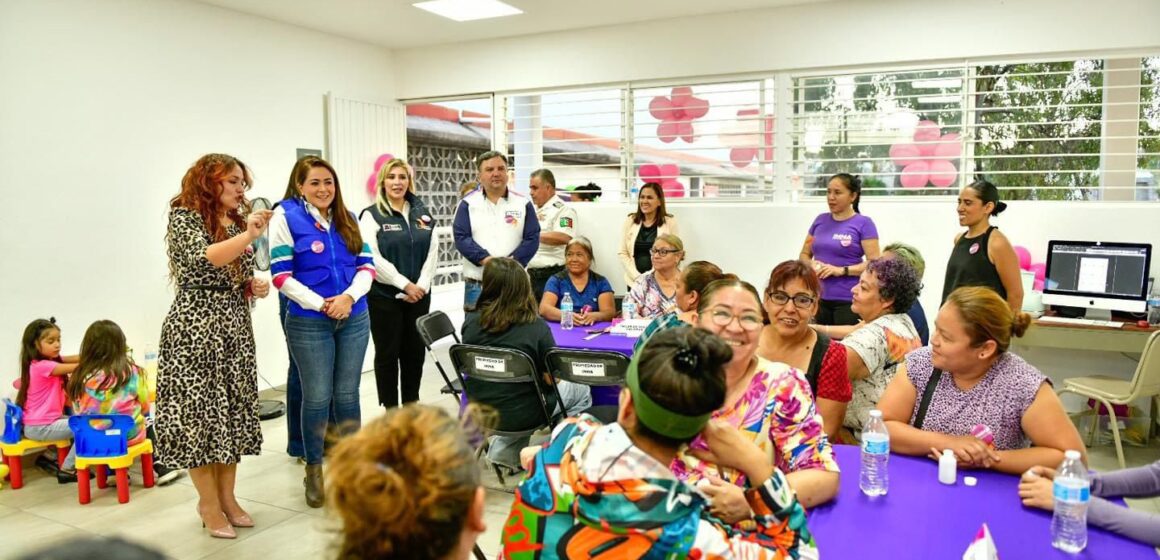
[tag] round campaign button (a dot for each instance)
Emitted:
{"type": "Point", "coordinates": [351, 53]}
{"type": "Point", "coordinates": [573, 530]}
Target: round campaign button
{"type": "Point", "coordinates": [317, 247]}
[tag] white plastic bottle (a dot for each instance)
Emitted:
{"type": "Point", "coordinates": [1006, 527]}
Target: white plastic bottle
{"type": "Point", "coordinates": [874, 478]}
{"type": "Point", "coordinates": [566, 312]}
{"type": "Point", "coordinates": [1072, 491]}
{"type": "Point", "coordinates": [628, 309]}
{"type": "Point", "coordinates": [948, 467]}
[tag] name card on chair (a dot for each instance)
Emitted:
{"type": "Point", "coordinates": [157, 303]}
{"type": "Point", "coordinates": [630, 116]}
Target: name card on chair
{"type": "Point", "coordinates": [489, 364]}
{"type": "Point", "coordinates": [588, 369]}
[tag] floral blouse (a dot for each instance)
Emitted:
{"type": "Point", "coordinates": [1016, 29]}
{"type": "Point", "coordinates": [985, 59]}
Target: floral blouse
{"type": "Point", "coordinates": [131, 399]}
{"type": "Point", "coordinates": [650, 300]}
{"type": "Point", "coordinates": [778, 412]}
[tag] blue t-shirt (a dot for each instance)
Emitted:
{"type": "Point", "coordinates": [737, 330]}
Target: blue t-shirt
{"type": "Point", "coordinates": [840, 244]}
{"type": "Point", "coordinates": [561, 282]}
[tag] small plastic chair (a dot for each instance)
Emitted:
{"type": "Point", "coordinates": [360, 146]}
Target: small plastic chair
{"type": "Point", "coordinates": [13, 445]}
{"type": "Point", "coordinates": [595, 368]}
{"type": "Point", "coordinates": [433, 327]}
{"type": "Point", "coordinates": [105, 448]}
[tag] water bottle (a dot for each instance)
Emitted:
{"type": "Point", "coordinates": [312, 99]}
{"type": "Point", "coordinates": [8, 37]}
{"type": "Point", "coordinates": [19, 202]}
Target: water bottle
{"type": "Point", "coordinates": [628, 309]}
{"type": "Point", "coordinates": [1072, 491]}
{"type": "Point", "coordinates": [874, 478]}
{"type": "Point", "coordinates": [1154, 309]}
{"type": "Point", "coordinates": [566, 312]}
{"type": "Point", "coordinates": [150, 370]}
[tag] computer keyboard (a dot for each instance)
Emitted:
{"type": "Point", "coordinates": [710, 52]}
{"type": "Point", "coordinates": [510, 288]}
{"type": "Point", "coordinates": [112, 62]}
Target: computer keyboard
{"type": "Point", "coordinates": [1084, 322]}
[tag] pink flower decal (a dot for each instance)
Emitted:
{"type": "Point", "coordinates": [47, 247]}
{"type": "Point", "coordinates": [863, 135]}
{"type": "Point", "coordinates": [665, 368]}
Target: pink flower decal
{"type": "Point", "coordinates": [665, 175]}
{"type": "Point", "coordinates": [927, 160]}
{"type": "Point", "coordinates": [677, 113]}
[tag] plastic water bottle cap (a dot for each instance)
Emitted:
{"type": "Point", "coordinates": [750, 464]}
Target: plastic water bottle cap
{"type": "Point", "coordinates": [1071, 454]}
{"type": "Point", "coordinates": [970, 480]}
{"type": "Point", "coordinates": [875, 413]}
{"type": "Point", "coordinates": [948, 453]}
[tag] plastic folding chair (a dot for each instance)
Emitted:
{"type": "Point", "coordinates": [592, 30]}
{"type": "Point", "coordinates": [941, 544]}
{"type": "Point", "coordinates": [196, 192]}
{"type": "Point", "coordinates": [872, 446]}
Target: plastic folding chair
{"type": "Point", "coordinates": [433, 327]}
{"type": "Point", "coordinates": [594, 368]}
{"type": "Point", "coordinates": [508, 366]}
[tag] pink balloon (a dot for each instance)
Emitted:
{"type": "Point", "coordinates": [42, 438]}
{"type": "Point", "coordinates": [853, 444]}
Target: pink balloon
{"type": "Point", "coordinates": [381, 160]}
{"type": "Point", "coordinates": [926, 150]}
{"type": "Point", "coordinates": [1040, 270]}
{"type": "Point", "coordinates": [696, 108]}
{"type": "Point", "coordinates": [650, 172]}
{"type": "Point", "coordinates": [669, 171]}
{"type": "Point", "coordinates": [915, 175]}
{"type": "Point", "coordinates": [948, 147]}
{"type": "Point", "coordinates": [668, 131]}
{"type": "Point", "coordinates": [942, 173]}
{"type": "Point", "coordinates": [927, 131]}
{"type": "Point", "coordinates": [1024, 257]}
{"type": "Point", "coordinates": [904, 154]}
{"type": "Point", "coordinates": [371, 186]}
{"type": "Point", "coordinates": [681, 95]}
{"type": "Point", "coordinates": [660, 108]}
{"type": "Point", "coordinates": [1037, 285]}
{"type": "Point", "coordinates": [685, 131]}
{"type": "Point", "coordinates": [673, 189]}
{"type": "Point", "coordinates": [742, 157]}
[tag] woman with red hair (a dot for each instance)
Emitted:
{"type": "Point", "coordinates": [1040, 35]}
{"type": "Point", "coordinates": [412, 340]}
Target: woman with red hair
{"type": "Point", "coordinates": [207, 388]}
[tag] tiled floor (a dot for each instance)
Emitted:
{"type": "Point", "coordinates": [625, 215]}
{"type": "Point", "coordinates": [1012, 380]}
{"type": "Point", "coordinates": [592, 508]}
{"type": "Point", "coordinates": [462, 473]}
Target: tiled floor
{"type": "Point", "coordinates": [270, 488]}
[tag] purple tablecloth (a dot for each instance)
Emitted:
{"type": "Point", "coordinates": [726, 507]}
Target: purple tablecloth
{"type": "Point", "coordinates": [923, 519]}
{"type": "Point", "coordinates": [574, 339]}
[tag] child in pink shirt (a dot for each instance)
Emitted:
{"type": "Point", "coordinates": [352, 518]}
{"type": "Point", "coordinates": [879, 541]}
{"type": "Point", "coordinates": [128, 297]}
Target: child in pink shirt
{"type": "Point", "coordinates": [42, 376]}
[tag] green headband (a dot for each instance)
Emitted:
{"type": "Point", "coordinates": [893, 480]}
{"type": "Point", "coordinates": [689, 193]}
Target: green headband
{"type": "Point", "coordinates": [656, 417]}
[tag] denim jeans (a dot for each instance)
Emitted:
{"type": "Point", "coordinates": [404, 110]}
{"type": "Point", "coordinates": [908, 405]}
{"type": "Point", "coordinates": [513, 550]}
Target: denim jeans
{"type": "Point", "coordinates": [329, 354]}
{"type": "Point", "coordinates": [294, 445]}
{"type": "Point", "coordinates": [55, 431]}
{"type": "Point", "coordinates": [505, 450]}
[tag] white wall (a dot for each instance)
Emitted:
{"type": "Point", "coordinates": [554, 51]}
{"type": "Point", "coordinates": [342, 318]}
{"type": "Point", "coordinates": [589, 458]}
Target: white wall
{"type": "Point", "coordinates": [828, 34]}
{"type": "Point", "coordinates": [103, 106]}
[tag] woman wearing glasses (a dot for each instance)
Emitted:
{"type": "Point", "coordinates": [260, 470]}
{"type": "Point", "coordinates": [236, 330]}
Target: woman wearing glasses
{"type": "Point", "coordinates": [769, 402]}
{"type": "Point", "coordinates": [655, 291]}
{"type": "Point", "coordinates": [791, 301]}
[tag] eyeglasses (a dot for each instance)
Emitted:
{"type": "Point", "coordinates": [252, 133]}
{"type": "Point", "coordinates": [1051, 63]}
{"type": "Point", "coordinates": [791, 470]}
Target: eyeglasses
{"type": "Point", "coordinates": [800, 301]}
{"type": "Point", "coordinates": [748, 321]}
{"type": "Point", "coordinates": [663, 252]}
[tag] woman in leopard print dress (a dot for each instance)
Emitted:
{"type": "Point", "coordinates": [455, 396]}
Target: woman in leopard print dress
{"type": "Point", "coordinates": [207, 392]}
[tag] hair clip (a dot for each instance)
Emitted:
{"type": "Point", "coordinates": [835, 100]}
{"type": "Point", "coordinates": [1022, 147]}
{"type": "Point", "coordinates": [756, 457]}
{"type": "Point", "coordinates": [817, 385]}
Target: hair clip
{"type": "Point", "coordinates": [688, 358]}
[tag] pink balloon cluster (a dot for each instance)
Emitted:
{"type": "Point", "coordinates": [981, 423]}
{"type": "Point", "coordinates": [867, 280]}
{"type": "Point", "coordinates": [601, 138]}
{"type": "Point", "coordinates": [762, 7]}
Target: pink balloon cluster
{"type": "Point", "coordinates": [373, 179]}
{"type": "Point", "coordinates": [677, 113]}
{"type": "Point", "coordinates": [928, 158]}
{"type": "Point", "coordinates": [751, 139]}
{"type": "Point", "coordinates": [666, 175]}
{"type": "Point", "coordinates": [1040, 269]}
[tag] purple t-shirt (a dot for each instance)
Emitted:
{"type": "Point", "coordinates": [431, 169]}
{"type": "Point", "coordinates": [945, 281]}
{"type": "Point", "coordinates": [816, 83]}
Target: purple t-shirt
{"type": "Point", "coordinates": [840, 244]}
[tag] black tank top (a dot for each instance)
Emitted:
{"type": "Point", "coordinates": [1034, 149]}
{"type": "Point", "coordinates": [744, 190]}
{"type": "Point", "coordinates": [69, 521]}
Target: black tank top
{"type": "Point", "coordinates": [970, 266]}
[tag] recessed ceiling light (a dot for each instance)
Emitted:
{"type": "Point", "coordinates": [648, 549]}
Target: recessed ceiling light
{"type": "Point", "coordinates": [468, 10]}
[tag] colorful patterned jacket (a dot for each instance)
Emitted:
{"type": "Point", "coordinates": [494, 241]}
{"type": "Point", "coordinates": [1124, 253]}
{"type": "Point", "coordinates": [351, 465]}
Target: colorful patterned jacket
{"type": "Point", "coordinates": [592, 493]}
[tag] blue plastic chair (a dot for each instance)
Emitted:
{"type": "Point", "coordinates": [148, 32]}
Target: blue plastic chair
{"type": "Point", "coordinates": [105, 447]}
{"type": "Point", "coordinates": [13, 444]}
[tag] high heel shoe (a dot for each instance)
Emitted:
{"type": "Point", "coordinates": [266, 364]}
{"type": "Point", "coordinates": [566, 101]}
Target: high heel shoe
{"type": "Point", "coordinates": [244, 520]}
{"type": "Point", "coordinates": [226, 532]}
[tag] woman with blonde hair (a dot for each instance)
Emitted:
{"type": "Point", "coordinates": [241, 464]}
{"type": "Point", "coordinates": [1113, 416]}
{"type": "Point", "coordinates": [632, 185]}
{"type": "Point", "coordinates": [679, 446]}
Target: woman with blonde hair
{"type": "Point", "coordinates": [401, 232]}
{"type": "Point", "coordinates": [655, 292]}
{"type": "Point", "coordinates": [966, 392]}
{"type": "Point", "coordinates": [407, 486]}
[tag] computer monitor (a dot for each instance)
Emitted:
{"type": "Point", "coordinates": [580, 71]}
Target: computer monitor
{"type": "Point", "coordinates": [1103, 277]}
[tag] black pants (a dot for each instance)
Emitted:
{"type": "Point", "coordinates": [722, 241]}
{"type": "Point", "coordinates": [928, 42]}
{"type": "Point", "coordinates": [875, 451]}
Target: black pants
{"type": "Point", "coordinates": [540, 278]}
{"type": "Point", "coordinates": [397, 346]}
{"type": "Point", "coordinates": [832, 312]}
